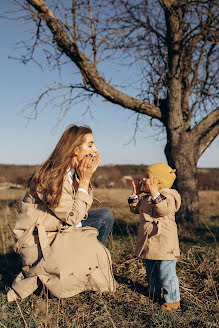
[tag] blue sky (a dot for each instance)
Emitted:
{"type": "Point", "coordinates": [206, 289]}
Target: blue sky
{"type": "Point", "coordinates": [31, 142]}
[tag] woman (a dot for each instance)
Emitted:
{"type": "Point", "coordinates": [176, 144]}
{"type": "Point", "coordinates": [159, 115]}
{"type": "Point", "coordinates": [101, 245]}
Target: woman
{"type": "Point", "coordinates": [56, 236]}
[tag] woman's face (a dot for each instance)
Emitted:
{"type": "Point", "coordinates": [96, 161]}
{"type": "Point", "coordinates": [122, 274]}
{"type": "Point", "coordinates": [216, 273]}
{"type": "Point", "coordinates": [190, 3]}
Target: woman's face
{"type": "Point", "coordinates": [86, 148]}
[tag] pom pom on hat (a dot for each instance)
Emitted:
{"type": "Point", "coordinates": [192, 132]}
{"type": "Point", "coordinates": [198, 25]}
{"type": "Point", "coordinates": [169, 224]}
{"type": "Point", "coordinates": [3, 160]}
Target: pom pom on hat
{"type": "Point", "coordinates": [164, 172]}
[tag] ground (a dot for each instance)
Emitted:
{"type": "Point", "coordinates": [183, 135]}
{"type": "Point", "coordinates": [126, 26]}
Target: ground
{"type": "Point", "coordinates": [129, 307]}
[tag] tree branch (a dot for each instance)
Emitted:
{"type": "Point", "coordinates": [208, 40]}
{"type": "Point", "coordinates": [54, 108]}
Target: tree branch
{"type": "Point", "coordinates": [74, 22]}
{"type": "Point", "coordinates": [64, 97]}
{"type": "Point", "coordinates": [204, 33]}
{"type": "Point", "coordinates": [90, 75]}
{"type": "Point", "coordinates": [147, 25]}
{"type": "Point", "coordinates": [206, 131]}
{"type": "Point", "coordinates": [94, 46]}
{"type": "Point", "coordinates": [207, 140]}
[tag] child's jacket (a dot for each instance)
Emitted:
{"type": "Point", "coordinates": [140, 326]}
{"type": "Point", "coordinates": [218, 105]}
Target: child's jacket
{"type": "Point", "coordinates": [157, 232]}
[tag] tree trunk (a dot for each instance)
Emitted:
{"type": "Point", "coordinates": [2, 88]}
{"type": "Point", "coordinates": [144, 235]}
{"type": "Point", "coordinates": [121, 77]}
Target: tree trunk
{"type": "Point", "coordinates": [183, 158]}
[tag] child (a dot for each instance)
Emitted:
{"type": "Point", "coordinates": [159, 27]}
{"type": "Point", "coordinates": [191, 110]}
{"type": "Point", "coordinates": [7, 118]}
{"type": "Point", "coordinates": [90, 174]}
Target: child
{"type": "Point", "coordinates": [157, 240]}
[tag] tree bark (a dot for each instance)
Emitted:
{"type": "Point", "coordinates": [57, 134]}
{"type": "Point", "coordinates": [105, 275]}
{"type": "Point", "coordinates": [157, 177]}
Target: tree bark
{"type": "Point", "coordinates": [183, 64]}
{"type": "Point", "coordinates": [183, 158]}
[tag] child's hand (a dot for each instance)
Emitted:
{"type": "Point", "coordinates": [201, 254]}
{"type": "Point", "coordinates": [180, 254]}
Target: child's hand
{"type": "Point", "coordinates": [150, 185]}
{"type": "Point", "coordinates": [136, 185]}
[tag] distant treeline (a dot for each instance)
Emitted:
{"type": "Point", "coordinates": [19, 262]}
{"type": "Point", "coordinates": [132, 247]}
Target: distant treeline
{"type": "Point", "coordinates": [106, 176]}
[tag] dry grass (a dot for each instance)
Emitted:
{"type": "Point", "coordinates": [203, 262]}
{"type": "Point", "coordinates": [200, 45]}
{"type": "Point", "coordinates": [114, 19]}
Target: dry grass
{"type": "Point", "coordinates": [11, 194]}
{"type": "Point", "coordinates": [209, 202]}
{"type": "Point", "coordinates": [128, 307]}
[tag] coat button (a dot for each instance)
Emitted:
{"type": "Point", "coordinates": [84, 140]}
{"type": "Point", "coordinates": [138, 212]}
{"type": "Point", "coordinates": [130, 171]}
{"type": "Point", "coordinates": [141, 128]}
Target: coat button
{"type": "Point", "coordinates": [71, 213]}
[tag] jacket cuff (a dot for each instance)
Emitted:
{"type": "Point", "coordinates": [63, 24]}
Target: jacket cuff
{"type": "Point", "coordinates": [157, 199]}
{"type": "Point", "coordinates": [85, 197]}
{"type": "Point", "coordinates": [133, 199]}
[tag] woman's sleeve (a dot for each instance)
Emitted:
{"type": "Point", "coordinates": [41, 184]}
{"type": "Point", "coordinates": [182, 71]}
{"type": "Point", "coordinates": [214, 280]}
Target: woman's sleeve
{"type": "Point", "coordinates": [73, 209]}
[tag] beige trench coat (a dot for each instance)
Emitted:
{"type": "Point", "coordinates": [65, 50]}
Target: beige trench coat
{"type": "Point", "coordinates": [157, 232]}
{"type": "Point", "coordinates": [67, 260]}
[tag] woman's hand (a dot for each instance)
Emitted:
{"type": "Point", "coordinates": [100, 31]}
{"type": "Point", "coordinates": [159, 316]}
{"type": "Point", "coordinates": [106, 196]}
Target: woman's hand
{"type": "Point", "coordinates": [86, 168]}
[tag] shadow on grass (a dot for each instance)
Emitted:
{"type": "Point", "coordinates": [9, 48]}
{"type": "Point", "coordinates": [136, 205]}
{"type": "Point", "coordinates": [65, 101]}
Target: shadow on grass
{"type": "Point", "coordinates": [137, 288]}
{"type": "Point", "coordinates": [203, 233]}
{"type": "Point", "coordinates": [11, 203]}
{"type": "Point", "coordinates": [122, 228]}
{"type": "Point", "coordinates": [10, 266]}
{"type": "Point", "coordinates": [133, 285]}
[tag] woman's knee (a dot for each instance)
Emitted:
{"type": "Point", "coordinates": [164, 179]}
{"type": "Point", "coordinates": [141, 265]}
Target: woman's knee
{"type": "Point", "coordinates": [105, 213]}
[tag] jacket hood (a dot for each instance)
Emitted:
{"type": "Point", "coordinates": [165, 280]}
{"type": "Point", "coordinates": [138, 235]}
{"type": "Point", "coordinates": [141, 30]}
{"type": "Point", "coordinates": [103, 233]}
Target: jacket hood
{"type": "Point", "coordinates": [174, 193]}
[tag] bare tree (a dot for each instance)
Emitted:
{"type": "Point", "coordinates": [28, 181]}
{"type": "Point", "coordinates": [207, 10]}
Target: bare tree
{"type": "Point", "coordinates": [173, 44]}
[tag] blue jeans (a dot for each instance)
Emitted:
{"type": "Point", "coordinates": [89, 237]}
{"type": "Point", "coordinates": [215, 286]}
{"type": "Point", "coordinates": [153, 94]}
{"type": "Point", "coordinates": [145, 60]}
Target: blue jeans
{"type": "Point", "coordinates": [162, 275]}
{"type": "Point", "coordinates": [102, 219]}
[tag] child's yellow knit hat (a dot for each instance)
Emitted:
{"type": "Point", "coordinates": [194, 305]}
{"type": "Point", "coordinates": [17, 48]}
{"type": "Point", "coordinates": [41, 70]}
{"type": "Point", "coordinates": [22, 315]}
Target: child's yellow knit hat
{"type": "Point", "coordinates": [164, 172]}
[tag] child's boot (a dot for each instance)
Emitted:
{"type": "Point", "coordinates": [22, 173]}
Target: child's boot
{"type": "Point", "coordinates": [170, 306]}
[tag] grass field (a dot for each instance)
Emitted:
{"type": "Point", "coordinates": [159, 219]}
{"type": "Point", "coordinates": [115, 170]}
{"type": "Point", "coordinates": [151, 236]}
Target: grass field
{"type": "Point", "coordinates": [128, 307]}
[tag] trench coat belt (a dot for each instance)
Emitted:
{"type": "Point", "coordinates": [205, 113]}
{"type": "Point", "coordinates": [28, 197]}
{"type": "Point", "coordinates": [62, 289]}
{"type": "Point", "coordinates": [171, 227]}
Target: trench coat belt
{"type": "Point", "coordinates": [22, 239]}
{"type": "Point", "coordinates": [44, 243]}
{"type": "Point", "coordinates": [43, 240]}
{"type": "Point", "coordinates": [157, 222]}
{"type": "Point", "coordinates": [149, 230]}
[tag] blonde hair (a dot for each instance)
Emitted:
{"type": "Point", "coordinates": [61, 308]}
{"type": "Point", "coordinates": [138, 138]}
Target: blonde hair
{"type": "Point", "coordinates": [48, 178]}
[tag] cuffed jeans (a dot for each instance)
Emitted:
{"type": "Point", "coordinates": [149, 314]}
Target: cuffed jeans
{"type": "Point", "coordinates": [102, 219]}
{"type": "Point", "coordinates": [162, 274]}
